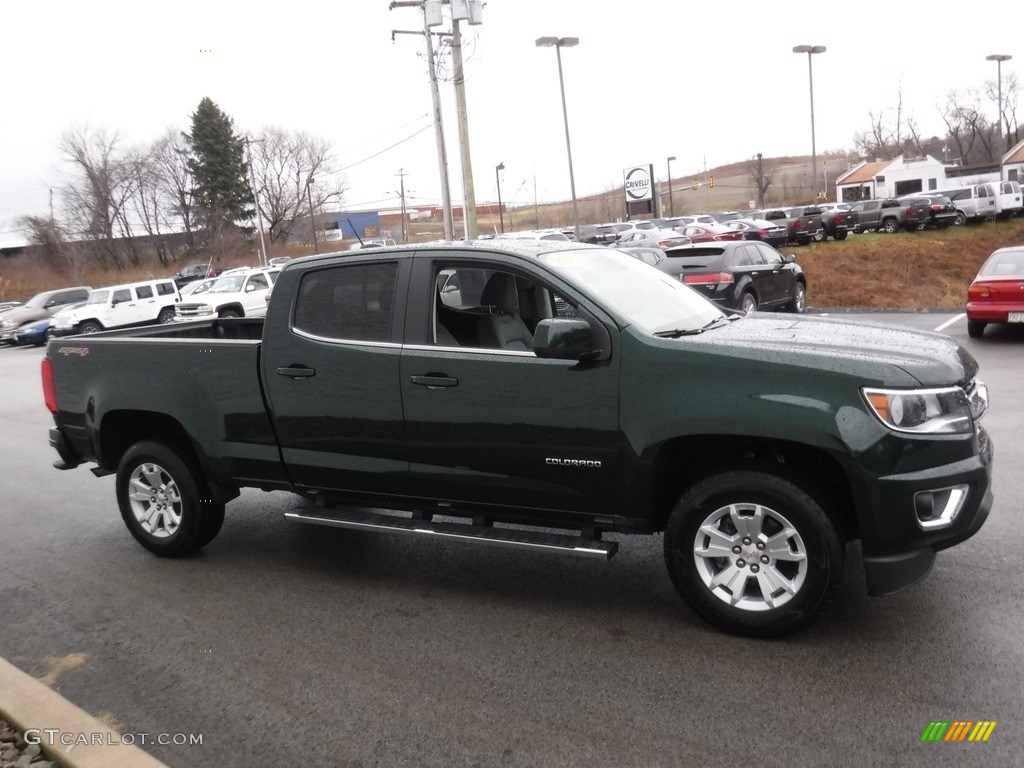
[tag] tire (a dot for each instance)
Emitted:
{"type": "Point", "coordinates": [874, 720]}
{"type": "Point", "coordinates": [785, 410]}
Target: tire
{"type": "Point", "coordinates": [841, 235]}
{"type": "Point", "coordinates": [820, 236]}
{"type": "Point", "coordinates": [799, 302]}
{"type": "Point", "coordinates": [89, 326]}
{"type": "Point", "coordinates": [960, 220]}
{"type": "Point", "coordinates": [230, 313]}
{"type": "Point", "coordinates": [166, 316]}
{"type": "Point", "coordinates": [748, 302]}
{"type": "Point", "coordinates": [890, 226]}
{"type": "Point", "coordinates": [771, 534]}
{"type": "Point", "coordinates": [975, 329]}
{"type": "Point", "coordinates": [165, 501]}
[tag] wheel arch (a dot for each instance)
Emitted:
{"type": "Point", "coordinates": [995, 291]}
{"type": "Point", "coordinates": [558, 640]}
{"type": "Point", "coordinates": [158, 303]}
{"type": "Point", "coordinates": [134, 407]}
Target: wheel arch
{"type": "Point", "coordinates": [120, 430]}
{"type": "Point", "coordinates": [232, 307]}
{"type": "Point", "coordinates": [681, 462]}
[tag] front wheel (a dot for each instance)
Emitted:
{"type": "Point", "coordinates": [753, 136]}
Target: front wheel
{"type": "Point", "coordinates": [753, 553]}
{"type": "Point", "coordinates": [841, 235]}
{"type": "Point", "coordinates": [90, 326]}
{"type": "Point", "coordinates": [799, 302]}
{"type": "Point", "coordinates": [228, 313]}
{"type": "Point", "coordinates": [166, 316]}
{"type": "Point", "coordinates": [961, 219]}
{"type": "Point", "coordinates": [165, 501]}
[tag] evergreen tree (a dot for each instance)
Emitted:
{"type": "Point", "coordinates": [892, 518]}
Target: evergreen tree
{"type": "Point", "coordinates": [217, 162]}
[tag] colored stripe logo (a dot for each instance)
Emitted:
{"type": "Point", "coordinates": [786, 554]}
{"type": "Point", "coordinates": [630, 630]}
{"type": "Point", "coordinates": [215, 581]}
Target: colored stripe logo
{"type": "Point", "coordinates": [958, 730]}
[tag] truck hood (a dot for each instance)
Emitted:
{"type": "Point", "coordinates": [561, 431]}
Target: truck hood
{"type": "Point", "coordinates": [932, 359]}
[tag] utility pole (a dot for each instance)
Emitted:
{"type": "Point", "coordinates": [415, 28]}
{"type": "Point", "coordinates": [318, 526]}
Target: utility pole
{"type": "Point", "coordinates": [469, 192]}
{"type": "Point", "coordinates": [435, 96]}
{"type": "Point", "coordinates": [312, 215]}
{"type": "Point", "coordinates": [707, 189]}
{"type": "Point", "coordinates": [760, 183]}
{"type": "Point", "coordinates": [401, 182]}
{"type": "Point", "coordinates": [256, 202]}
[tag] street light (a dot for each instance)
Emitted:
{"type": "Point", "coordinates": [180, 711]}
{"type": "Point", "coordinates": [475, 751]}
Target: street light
{"type": "Point", "coordinates": [810, 50]}
{"type": "Point", "coordinates": [671, 208]}
{"type": "Point", "coordinates": [501, 214]}
{"type": "Point", "coordinates": [559, 43]}
{"type": "Point", "coordinates": [999, 58]}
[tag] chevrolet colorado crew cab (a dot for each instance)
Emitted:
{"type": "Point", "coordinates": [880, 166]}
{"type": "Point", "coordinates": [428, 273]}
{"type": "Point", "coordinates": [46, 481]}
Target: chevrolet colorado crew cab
{"type": "Point", "coordinates": [547, 396]}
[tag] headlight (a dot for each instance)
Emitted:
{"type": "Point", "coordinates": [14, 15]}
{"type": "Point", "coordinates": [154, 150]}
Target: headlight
{"type": "Point", "coordinates": [922, 411]}
{"type": "Point", "coordinates": [206, 309]}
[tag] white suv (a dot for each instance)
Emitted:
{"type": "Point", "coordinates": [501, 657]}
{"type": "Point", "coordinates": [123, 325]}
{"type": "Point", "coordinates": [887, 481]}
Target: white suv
{"type": "Point", "coordinates": [120, 306]}
{"type": "Point", "coordinates": [239, 294]}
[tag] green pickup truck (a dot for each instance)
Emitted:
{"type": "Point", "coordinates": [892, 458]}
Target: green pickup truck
{"type": "Point", "coordinates": [545, 396]}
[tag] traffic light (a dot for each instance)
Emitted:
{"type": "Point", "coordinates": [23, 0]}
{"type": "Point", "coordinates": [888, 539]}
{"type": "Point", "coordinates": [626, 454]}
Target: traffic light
{"type": "Point", "coordinates": [696, 184]}
{"type": "Point", "coordinates": [711, 181]}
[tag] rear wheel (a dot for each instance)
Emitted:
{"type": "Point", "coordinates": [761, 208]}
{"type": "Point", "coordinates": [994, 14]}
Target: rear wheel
{"type": "Point", "coordinates": [820, 236]}
{"type": "Point", "coordinates": [748, 302]}
{"type": "Point", "coordinates": [975, 330]}
{"type": "Point", "coordinates": [841, 235]}
{"type": "Point", "coordinates": [165, 501]}
{"type": "Point", "coordinates": [753, 553]}
{"type": "Point", "coordinates": [890, 226]}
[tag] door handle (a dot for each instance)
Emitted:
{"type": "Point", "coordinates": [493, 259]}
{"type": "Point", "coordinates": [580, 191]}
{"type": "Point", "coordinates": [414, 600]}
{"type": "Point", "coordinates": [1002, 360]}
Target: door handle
{"type": "Point", "coordinates": [435, 381]}
{"type": "Point", "coordinates": [296, 372]}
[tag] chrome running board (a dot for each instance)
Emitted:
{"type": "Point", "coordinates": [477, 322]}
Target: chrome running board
{"type": "Point", "coordinates": [482, 534]}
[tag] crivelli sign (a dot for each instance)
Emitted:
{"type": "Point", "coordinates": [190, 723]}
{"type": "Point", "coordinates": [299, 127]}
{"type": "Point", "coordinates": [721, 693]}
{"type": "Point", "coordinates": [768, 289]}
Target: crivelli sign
{"type": "Point", "coordinates": [638, 184]}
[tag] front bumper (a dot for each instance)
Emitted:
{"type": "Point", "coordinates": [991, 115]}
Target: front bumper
{"type": "Point", "coordinates": [909, 548]}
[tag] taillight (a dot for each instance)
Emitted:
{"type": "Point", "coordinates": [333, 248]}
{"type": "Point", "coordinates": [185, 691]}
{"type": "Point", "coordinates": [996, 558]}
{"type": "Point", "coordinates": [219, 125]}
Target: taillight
{"type": "Point", "coordinates": [49, 391]}
{"type": "Point", "coordinates": [978, 292]}
{"type": "Point", "coordinates": [838, 219]}
{"type": "Point", "coordinates": [763, 232]}
{"type": "Point", "coordinates": [798, 224]}
{"type": "Point", "coordinates": [719, 278]}
{"type": "Point", "coordinates": [910, 213]}
{"type": "Point", "coordinates": [938, 207]}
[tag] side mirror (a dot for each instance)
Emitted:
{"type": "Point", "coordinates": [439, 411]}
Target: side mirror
{"type": "Point", "coordinates": [563, 339]}
{"type": "Point", "coordinates": [788, 258]}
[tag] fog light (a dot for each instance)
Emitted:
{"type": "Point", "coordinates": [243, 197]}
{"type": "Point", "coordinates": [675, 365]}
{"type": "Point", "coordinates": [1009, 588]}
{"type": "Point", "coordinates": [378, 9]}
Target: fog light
{"type": "Point", "coordinates": [938, 508]}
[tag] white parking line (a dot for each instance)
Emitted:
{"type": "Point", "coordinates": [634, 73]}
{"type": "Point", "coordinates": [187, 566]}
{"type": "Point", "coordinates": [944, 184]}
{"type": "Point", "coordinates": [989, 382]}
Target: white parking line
{"type": "Point", "coordinates": [949, 322]}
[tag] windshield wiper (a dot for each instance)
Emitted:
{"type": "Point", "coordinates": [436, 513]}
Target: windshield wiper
{"type": "Point", "coordinates": [675, 334]}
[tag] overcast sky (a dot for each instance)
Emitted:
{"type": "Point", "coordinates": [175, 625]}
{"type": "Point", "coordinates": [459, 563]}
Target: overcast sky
{"type": "Point", "coordinates": [714, 81]}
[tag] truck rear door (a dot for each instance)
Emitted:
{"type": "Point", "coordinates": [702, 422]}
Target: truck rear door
{"type": "Point", "coordinates": [330, 367]}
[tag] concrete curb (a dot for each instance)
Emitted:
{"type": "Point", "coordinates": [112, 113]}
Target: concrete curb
{"type": "Point", "coordinates": [28, 704]}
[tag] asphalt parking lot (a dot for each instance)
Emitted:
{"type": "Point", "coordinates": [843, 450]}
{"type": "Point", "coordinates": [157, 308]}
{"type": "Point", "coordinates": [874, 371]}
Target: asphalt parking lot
{"type": "Point", "coordinates": [289, 645]}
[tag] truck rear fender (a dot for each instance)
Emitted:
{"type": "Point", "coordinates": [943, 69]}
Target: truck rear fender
{"type": "Point", "coordinates": [681, 462]}
{"type": "Point", "coordinates": [122, 429]}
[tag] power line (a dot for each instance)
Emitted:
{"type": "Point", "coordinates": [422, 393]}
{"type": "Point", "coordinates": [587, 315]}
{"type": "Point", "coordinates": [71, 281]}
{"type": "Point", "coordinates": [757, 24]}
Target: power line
{"type": "Point", "coordinates": [386, 149]}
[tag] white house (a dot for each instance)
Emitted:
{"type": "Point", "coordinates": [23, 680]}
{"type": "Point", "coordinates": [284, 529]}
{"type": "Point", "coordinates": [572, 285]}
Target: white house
{"type": "Point", "coordinates": [1013, 163]}
{"type": "Point", "coordinates": [893, 178]}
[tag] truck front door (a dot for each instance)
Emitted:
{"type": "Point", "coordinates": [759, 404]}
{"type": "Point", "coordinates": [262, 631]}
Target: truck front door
{"type": "Point", "coordinates": [489, 423]}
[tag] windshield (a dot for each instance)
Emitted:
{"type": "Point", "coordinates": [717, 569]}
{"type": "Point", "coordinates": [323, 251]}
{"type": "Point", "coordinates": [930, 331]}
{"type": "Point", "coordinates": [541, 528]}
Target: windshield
{"type": "Point", "coordinates": [645, 297]}
{"type": "Point", "coordinates": [98, 297]}
{"type": "Point", "coordinates": [228, 284]}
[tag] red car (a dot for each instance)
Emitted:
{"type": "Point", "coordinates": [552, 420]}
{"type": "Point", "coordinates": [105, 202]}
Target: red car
{"type": "Point", "coordinates": [997, 293]}
{"type": "Point", "coordinates": [708, 233]}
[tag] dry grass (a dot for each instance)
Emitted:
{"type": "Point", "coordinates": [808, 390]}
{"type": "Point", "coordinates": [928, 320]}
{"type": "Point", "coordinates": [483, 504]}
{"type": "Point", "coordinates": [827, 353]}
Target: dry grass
{"type": "Point", "coordinates": [911, 270]}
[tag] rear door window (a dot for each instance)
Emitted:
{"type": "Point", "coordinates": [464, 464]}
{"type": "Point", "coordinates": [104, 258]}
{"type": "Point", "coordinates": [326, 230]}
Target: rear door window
{"type": "Point", "coordinates": [352, 302]}
{"type": "Point", "coordinates": [144, 291]}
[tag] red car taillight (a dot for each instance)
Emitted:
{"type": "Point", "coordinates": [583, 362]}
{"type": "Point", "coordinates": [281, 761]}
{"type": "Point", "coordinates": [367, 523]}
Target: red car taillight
{"type": "Point", "coordinates": [717, 278]}
{"type": "Point", "coordinates": [978, 292]}
{"type": "Point", "coordinates": [910, 213]}
{"type": "Point", "coordinates": [798, 225]}
{"type": "Point", "coordinates": [49, 391]}
{"type": "Point", "coordinates": [838, 219]}
{"type": "Point", "coordinates": [938, 207]}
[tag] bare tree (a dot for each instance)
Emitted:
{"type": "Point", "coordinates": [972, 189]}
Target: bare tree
{"type": "Point", "coordinates": [282, 164]}
{"type": "Point", "coordinates": [761, 178]}
{"type": "Point", "coordinates": [175, 185]}
{"type": "Point", "coordinates": [97, 191]}
{"type": "Point", "coordinates": [44, 233]}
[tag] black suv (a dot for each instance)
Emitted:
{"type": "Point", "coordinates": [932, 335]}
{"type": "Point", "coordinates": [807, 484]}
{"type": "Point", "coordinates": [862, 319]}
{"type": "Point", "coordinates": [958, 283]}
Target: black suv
{"type": "Point", "coordinates": [742, 274]}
